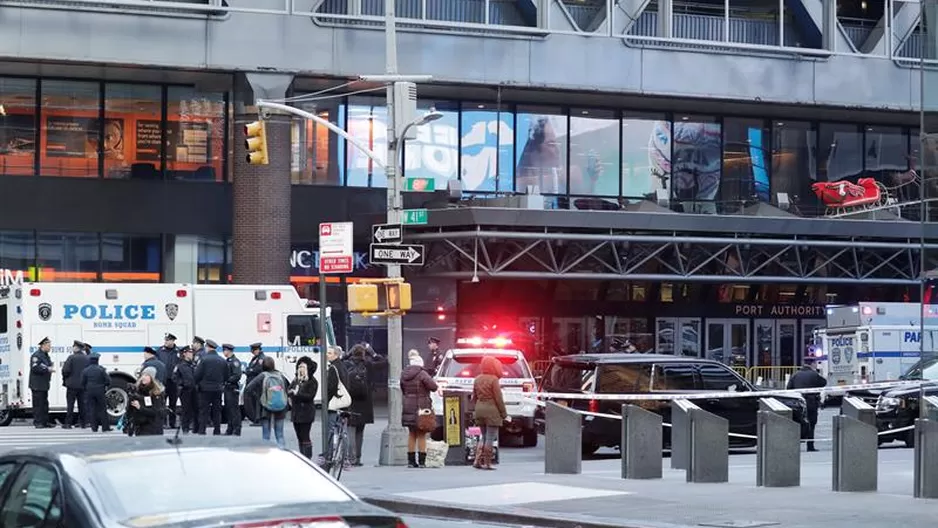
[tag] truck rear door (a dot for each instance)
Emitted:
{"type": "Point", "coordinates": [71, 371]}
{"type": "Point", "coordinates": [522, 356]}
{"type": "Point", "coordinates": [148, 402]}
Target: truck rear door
{"type": "Point", "coordinates": [10, 349]}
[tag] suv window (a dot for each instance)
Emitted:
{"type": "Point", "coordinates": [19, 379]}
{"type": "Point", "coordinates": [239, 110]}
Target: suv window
{"type": "Point", "coordinates": [675, 377]}
{"type": "Point", "coordinates": [470, 366]}
{"type": "Point", "coordinates": [624, 379]}
{"type": "Point", "coordinates": [5, 471]}
{"type": "Point", "coordinates": [717, 378]}
{"type": "Point", "coordinates": [33, 500]}
{"type": "Point", "coordinates": [568, 377]}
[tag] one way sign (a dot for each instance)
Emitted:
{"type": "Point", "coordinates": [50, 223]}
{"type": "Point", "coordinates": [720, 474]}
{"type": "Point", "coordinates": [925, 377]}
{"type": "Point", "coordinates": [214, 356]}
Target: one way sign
{"type": "Point", "coordinates": [404, 254]}
{"type": "Point", "coordinates": [386, 233]}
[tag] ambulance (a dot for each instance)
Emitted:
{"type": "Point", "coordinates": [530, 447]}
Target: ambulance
{"type": "Point", "coordinates": [119, 319]}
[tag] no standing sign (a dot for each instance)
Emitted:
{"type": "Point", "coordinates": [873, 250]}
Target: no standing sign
{"type": "Point", "coordinates": [335, 247]}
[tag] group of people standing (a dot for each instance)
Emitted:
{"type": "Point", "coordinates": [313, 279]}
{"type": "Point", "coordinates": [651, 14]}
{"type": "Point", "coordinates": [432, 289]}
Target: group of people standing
{"type": "Point", "coordinates": [85, 381]}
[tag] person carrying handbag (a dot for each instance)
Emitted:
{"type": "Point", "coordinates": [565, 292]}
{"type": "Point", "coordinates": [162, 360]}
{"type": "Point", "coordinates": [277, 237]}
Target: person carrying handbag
{"type": "Point", "coordinates": [336, 392]}
{"type": "Point", "coordinates": [417, 412]}
{"type": "Point", "coordinates": [490, 412]}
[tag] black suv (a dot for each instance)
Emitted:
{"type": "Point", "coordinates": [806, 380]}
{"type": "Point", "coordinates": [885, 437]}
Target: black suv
{"type": "Point", "coordinates": [899, 407]}
{"type": "Point", "coordinates": [651, 373]}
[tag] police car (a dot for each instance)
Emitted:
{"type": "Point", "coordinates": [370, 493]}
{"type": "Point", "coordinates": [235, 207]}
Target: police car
{"type": "Point", "coordinates": [461, 365]}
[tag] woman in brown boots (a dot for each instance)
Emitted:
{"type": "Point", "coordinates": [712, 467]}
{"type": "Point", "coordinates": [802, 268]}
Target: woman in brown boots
{"type": "Point", "coordinates": [490, 411]}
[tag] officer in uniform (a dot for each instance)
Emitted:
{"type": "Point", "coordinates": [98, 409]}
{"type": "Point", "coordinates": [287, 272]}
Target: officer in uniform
{"type": "Point", "coordinates": [169, 355]}
{"type": "Point", "coordinates": [71, 380]}
{"type": "Point", "coordinates": [95, 383]}
{"type": "Point", "coordinates": [184, 378]}
{"type": "Point", "coordinates": [435, 356]}
{"type": "Point", "coordinates": [232, 390]}
{"type": "Point", "coordinates": [255, 368]}
{"type": "Point", "coordinates": [40, 378]}
{"type": "Point", "coordinates": [152, 361]}
{"type": "Point", "coordinates": [808, 378]}
{"type": "Point", "coordinates": [198, 350]}
{"type": "Point", "coordinates": [210, 375]}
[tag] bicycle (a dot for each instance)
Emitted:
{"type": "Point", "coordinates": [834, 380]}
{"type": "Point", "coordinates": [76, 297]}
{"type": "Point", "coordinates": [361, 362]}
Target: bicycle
{"type": "Point", "coordinates": [337, 453]}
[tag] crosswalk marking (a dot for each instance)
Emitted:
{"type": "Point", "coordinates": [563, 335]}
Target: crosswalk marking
{"type": "Point", "coordinates": [25, 437]}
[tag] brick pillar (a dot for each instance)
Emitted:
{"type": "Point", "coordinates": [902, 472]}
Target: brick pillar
{"type": "Point", "coordinates": [261, 241]}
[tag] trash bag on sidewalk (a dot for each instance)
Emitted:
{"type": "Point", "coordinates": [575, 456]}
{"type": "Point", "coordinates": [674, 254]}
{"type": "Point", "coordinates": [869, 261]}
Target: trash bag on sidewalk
{"type": "Point", "coordinates": [436, 453]}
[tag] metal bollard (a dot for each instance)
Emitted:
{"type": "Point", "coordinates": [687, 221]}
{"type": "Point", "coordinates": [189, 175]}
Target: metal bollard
{"type": "Point", "coordinates": [455, 421]}
{"type": "Point", "coordinates": [680, 434]}
{"type": "Point", "coordinates": [926, 452]}
{"type": "Point", "coordinates": [858, 410]}
{"type": "Point", "coordinates": [563, 441]}
{"type": "Point", "coordinates": [778, 455]}
{"type": "Point", "coordinates": [856, 455]}
{"type": "Point", "coordinates": [641, 443]}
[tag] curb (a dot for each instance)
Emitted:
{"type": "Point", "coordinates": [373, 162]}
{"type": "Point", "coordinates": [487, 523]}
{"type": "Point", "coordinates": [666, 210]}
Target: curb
{"type": "Point", "coordinates": [512, 516]}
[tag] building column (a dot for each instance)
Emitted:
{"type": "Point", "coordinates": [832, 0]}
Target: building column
{"type": "Point", "coordinates": [261, 233]}
{"type": "Point", "coordinates": [181, 263]}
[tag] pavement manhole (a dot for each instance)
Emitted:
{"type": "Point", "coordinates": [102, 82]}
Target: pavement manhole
{"type": "Point", "coordinates": [739, 524]}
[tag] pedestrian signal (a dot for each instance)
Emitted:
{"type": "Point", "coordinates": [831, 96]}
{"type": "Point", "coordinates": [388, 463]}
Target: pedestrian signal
{"type": "Point", "coordinates": [362, 298]}
{"type": "Point", "coordinates": [399, 296]}
{"type": "Point", "coordinates": [256, 142]}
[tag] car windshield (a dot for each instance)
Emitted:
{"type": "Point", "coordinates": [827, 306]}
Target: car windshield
{"type": "Point", "coordinates": [166, 482]}
{"type": "Point", "coordinates": [470, 366]}
{"type": "Point", "coordinates": [924, 369]}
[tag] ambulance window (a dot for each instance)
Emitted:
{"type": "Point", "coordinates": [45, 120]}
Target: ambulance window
{"type": "Point", "coordinates": [3, 318]}
{"type": "Point", "coordinates": [302, 330]}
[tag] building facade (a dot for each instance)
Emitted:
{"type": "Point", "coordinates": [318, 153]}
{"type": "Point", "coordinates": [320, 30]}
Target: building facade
{"type": "Point", "coordinates": [678, 146]}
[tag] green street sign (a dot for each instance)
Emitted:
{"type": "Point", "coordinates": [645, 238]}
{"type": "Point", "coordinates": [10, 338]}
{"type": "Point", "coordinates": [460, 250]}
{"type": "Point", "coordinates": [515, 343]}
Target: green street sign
{"type": "Point", "coordinates": [415, 217]}
{"type": "Point", "coordinates": [420, 184]}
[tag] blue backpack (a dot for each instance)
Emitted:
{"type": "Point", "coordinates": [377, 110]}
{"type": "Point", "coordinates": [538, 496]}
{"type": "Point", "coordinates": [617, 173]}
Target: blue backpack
{"type": "Point", "coordinates": [274, 394]}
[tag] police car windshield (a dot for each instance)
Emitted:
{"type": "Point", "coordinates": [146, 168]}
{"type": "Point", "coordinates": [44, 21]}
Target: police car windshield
{"type": "Point", "coordinates": [191, 480]}
{"type": "Point", "coordinates": [469, 366]}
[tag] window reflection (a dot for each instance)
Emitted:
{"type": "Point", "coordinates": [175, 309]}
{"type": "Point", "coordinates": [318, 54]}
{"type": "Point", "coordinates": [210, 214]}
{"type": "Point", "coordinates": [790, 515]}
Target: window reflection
{"type": "Point", "coordinates": [17, 126]}
{"type": "Point", "coordinates": [434, 152]}
{"type": "Point", "coordinates": [793, 167]}
{"type": "Point", "coordinates": [17, 250]}
{"type": "Point", "coordinates": [68, 257]}
{"type": "Point", "coordinates": [313, 150]}
{"type": "Point", "coordinates": [487, 148]}
{"type": "Point", "coordinates": [594, 153]}
{"type": "Point", "coordinates": [840, 152]}
{"type": "Point", "coordinates": [696, 163]}
{"type": "Point", "coordinates": [541, 154]}
{"type": "Point", "coordinates": [71, 129]}
{"type": "Point", "coordinates": [211, 265]}
{"type": "Point", "coordinates": [195, 134]}
{"type": "Point", "coordinates": [367, 123]}
{"type": "Point", "coordinates": [646, 155]}
{"type": "Point", "coordinates": [745, 170]}
{"type": "Point", "coordinates": [133, 142]}
{"type": "Point", "coordinates": [130, 258]}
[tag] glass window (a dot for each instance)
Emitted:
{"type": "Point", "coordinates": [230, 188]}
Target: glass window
{"type": "Point", "coordinates": [314, 149]}
{"type": "Point", "coordinates": [435, 151]}
{"type": "Point", "coordinates": [569, 377]}
{"type": "Point", "coordinates": [697, 163]}
{"type": "Point", "coordinates": [793, 166]}
{"type": "Point", "coordinates": [367, 123]}
{"type": "Point", "coordinates": [646, 155]}
{"type": "Point", "coordinates": [717, 378]}
{"type": "Point", "coordinates": [594, 153]}
{"type": "Point", "coordinates": [195, 134]}
{"type": "Point", "coordinates": [17, 127]}
{"type": "Point", "coordinates": [133, 141]}
{"type": "Point", "coordinates": [674, 377]}
{"type": "Point", "coordinates": [624, 379]}
{"type": "Point", "coordinates": [886, 152]}
{"type": "Point", "coordinates": [34, 499]}
{"type": "Point", "coordinates": [71, 131]}
{"type": "Point", "coordinates": [470, 366]}
{"type": "Point", "coordinates": [840, 152]}
{"type": "Point", "coordinates": [211, 261]}
{"type": "Point", "coordinates": [17, 250]}
{"type": "Point", "coordinates": [541, 155]}
{"type": "Point", "coordinates": [487, 148]}
{"type": "Point", "coordinates": [745, 169]}
{"type": "Point", "coordinates": [68, 257]}
{"type": "Point", "coordinates": [303, 330]}
{"type": "Point", "coordinates": [130, 258]}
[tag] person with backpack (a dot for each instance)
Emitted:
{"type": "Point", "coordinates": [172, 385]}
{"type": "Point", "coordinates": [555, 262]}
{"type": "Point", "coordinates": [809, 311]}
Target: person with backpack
{"type": "Point", "coordinates": [303, 392]}
{"type": "Point", "coordinates": [358, 373]}
{"type": "Point", "coordinates": [270, 390]}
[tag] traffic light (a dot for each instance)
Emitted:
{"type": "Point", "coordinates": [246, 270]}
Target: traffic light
{"type": "Point", "coordinates": [399, 296]}
{"type": "Point", "coordinates": [362, 298]}
{"type": "Point", "coordinates": [256, 142]}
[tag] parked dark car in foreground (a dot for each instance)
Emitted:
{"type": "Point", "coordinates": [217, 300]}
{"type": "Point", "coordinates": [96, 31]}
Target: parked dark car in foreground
{"type": "Point", "coordinates": [202, 482]}
{"type": "Point", "coordinates": [898, 408]}
{"type": "Point", "coordinates": [652, 374]}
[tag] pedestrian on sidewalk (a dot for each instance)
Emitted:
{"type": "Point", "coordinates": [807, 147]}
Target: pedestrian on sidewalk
{"type": "Point", "coordinates": [808, 378]}
{"type": "Point", "coordinates": [148, 404]}
{"type": "Point", "coordinates": [490, 412]}
{"type": "Point", "coordinates": [416, 386]}
{"type": "Point", "coordinates": [270, 389]}
{"type": "Point", "coordinates": [358, 369]}
{"type": "Point", "coordinates": [302, 396]}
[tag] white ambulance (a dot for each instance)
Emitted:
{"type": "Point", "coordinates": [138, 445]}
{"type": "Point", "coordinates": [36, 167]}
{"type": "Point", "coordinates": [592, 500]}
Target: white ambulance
{"type": "Point", "coordinates": [119, 319]}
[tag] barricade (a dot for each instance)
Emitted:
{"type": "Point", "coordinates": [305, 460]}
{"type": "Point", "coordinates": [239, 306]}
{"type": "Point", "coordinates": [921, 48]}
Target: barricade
{"type": "Point", "coordinates": [855, 456]}
{"type": "Point", "coordinates": [641, 443]}
{"type": "Point", "coordinates": [926, 451]}
{"type": "Point", "coordinates": [563, 440]}
{"type": "Point", "coordinates": [778, 455]}
{"type": "Point", "coordinates": [703, 438]}
{"type": "Point", "coordinates": [455, 420]}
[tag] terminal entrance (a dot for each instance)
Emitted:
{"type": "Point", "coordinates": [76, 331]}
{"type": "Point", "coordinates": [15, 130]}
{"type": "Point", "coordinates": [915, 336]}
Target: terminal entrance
{"type": "Point", "coordinates": [728, 341]}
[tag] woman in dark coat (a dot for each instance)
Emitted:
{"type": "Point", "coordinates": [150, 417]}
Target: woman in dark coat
{"type": "Point", "coordinates": [303, 409]}
{"type": "Point", "coordinates": [358, 372]}
{"type": "Point", "coordinates": [148, 404]}
{"type": "Point", "coordinates": [416, 386]}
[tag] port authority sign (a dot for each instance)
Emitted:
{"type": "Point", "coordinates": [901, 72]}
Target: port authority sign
{"type": "Point", "coordinates": [397, 254]}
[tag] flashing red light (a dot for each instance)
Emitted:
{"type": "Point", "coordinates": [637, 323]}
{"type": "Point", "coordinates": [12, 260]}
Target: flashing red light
{"type": "Point", "coordinates": [497, 342]}
{"type": "Point", "coordinates": [465, 374]}
{"type": "Point", "coordinates": [474, 341]}
{"type": "Point", "coordinates": [274, 295]}
{"type": "Point", "coordinates": [400, 524]}
{"type": "Point", "coordinates": [35, 292]}
{"type": "Point", "coordinates": [594, 406]}
{"type": "Point", "coordinates": [439, 308]}
{"type": "Point", "coordinates": [441, 317]}
{"type": "Point", "coordinates": [500, 342]}
{"type": "Point", "coordinates": [181, 293]}
{"type": "Point", "coordinates": [309, 522]}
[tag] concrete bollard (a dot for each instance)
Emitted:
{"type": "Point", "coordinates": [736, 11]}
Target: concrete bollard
{"type": "Point", "coordinates": [926, 452]}
{"type": "Point", "coordinates": [641, 443]}
{"type": "Point", "coordinates": [709, 441]}
{"type": "Point", "coordinates": [858, 410]}
{"type": "Point", "coordinates": [778, 455]}
{"type": "Point", "coordinates": [680, 434]}
{"type": "Point", "coordinates": [563, 441]}
{"type": "Point", "coordinates": [856, 444]}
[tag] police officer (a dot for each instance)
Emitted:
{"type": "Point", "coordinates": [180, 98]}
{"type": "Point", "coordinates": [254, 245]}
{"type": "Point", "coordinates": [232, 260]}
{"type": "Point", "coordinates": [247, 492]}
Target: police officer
{"type": "Point", "coordinates": [169, 355]}
{"type": "Point", "coordinates": [150, 360]}
{"type": "Point", "coordinates": [71, 379]}
{"type": "Point", "coordinates": [232, 390]}
{"type": "Point", "coordinates": [210, 375]}
{"type": "Point", "coordinates": [40, 378]}
{"type": "Point", "coordinates": [435, 356]}
{"type": "Point", "coordinates": [255, 368]}
{"type": "Point", "coordinates": [184, 378]}
{"type": "Point", "coordinates": [94, 384]}
{"type": "Point", "coordinates": [198, 350]}
{"type": "Point", "coordinates": [808, 378]}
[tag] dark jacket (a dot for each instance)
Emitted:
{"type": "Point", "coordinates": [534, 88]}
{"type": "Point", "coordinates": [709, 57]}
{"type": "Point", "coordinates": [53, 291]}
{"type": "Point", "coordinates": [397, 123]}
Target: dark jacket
{"type": "Point", "coordinates": [40, 373]}
{"type": "Point", "coordinates": [159, 366]}
{"type": "Point", "coordinates": [94, 378]}
{"type": "Point", "coordinates": [363, 406]}
{"type": "Point", "coordinates": [184, 375]}
{"type": "Point", "coordinates": [211, 372]}
{"type": "Point", "coordinates": [416, 386]}
{"type": "Point", "coordinates": [253, 392]}
{"type": "Point", "coordinates": [303, 395]}
{"type": "Point", "coordinates": [808, 378]}
{"type": "Point", "coordinates": [170, 358]}
{"type": "Point", "coordinates": [255, 367]}
{"type": "Point", "coordinates": [148, 419]}
{"type": "Point", "coordinates": [233, 374]}
{"type": "Point", "coordinates": [72, 369]}
{"type": "Point", "coordinates": [333, 375]}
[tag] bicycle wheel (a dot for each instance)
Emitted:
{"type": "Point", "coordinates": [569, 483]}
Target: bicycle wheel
{"type": "Point", "coordinates": [338, 456]}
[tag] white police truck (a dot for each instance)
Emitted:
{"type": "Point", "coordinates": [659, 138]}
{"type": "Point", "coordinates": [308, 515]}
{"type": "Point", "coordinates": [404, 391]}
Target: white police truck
{"type": "Point", "coordinates": [119, 319]}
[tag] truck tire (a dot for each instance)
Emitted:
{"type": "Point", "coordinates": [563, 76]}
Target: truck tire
{"type": "Point", "coordinates": [529, 437]}
{"type": "Point", "coordinates": [116, 399]}
{"type": "Point", "coordinates": [6, 417]}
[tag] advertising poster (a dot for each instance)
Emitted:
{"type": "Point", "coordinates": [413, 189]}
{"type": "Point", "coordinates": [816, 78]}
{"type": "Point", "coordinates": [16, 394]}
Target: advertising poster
{"type": "Point", "coordinates": [77, 137]}
{"type": "Point", "coordinates": [186, 141]}
{"type": "Point", "coordinates": [487, 150]}
{"type": "Point", "coordinates": [17, 134]}
{"type": "Point", "coordinates": [646, 157]}
{"type": "Point", "coordinates": [541, 153]}
{"type": "Point", "coordinates": [148, 140]}
{"type": "Point", "coordinates": [594, 156]}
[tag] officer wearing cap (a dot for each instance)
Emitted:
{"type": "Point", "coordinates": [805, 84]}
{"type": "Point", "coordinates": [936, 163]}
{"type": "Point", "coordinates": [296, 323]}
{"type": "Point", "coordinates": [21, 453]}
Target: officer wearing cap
{"type": "Point", "coordinates": [232, 390]}
{"type": "Point", "coordinates": [71, 380]}
{"type": "Point", "coordinates": [150, 360]}
{"type": "Point", "coordinates": [86, 347]}
{"type": "Point", "coordinates": [184, 378]}
{"type": "Point", "coordinates": [40, 379]}
{"type": "Point", "coordinates": [198, 350]}
{"type": "Point", "coordinates": [210, 376]}
{"type": "Point", "coordinates": [255, 368]}
{"type": "Point", "coordinates": [94, 384]}
{"type": "Point", "coordinates": [169, 355]}
{"type": "Point", "coordinates": [436, 356]}
{"type": "Point", "coordinates": [808, 378]}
